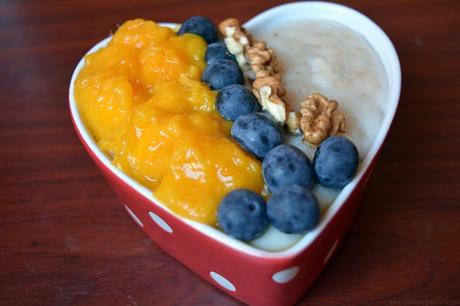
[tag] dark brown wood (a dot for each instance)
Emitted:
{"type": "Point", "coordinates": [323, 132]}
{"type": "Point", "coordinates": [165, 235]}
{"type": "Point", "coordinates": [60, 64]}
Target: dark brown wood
{"type": "Point", "coordinates": [65, 240]}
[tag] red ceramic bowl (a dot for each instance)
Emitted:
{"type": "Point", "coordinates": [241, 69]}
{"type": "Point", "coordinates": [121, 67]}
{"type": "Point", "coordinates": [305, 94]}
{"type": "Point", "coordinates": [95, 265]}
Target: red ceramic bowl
{"type": "Point", "coordinates": [251, 275]}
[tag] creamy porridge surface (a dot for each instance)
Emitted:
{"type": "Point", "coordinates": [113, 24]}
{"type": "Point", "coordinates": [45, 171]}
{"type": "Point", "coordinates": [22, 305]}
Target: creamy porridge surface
{"type": "Point", "coordinates": [329, 58]}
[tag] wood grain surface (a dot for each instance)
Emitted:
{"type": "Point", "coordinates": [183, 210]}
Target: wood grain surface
{"type": "Point", "coordinates": [65, 240]}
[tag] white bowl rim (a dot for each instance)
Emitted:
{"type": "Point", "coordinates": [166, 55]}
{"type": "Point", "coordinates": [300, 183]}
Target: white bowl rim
{"type": "Point", "coordinates": [307, 239]}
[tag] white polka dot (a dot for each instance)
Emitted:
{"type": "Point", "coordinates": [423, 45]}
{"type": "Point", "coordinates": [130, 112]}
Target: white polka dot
{"type": "Point", "coordinates": [160, 222]}
{"type": "Point", "coordinates": [331, 251]}
{"type": "Point", "coordinates": [135, 218]}
{"type": "Point", "coordinates": [285, 275]}
{"type": "Point", "coordinates": [222, 281]}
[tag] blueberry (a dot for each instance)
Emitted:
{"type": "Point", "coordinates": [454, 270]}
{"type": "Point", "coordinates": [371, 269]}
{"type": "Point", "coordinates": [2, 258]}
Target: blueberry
{"type": "Point", "coordinates": [257, 134]}
{"type": "Point", "coordinates": [201, 26]}
{"type": "Point", "coordinates": [286, 165]}
{"type": "Point", "coordinates": [243, 214]}
{"type": "Point", "coordinates": [220, 73]}
{"type": "Point", "coordinates": [218, 50]}
{"type": "Point", "coordinates": [293, 209]}
{"type": "Point", "coordinates": [234, 101]}
{"type": "Point", "coordinates": [335, 162]}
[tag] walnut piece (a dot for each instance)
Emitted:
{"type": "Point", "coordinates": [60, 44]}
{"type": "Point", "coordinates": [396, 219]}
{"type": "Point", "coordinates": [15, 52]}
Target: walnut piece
{"type": "Point", "coordinates": [268, 91]}
{"type": "Point", "coordinates": [293, 122]}
{"type": "Point", "coordinates": [262, 60]}
{"type": "Point", "coordinates": [318, 120]}
{"type": "Point", "coordinates": [236, 39]}
{"type": "Point", "coordinates": [271, 103]}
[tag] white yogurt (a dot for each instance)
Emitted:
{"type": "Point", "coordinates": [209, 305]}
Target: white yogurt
{"type": "Point", "coordinates": [326, 57]}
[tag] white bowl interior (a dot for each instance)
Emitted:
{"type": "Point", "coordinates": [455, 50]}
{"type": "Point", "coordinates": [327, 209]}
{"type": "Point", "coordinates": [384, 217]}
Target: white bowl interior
{"type": "Point", "coordinates": [293, 11]}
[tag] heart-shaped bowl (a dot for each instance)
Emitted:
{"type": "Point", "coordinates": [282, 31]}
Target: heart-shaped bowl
{"type": "Point", "coordinates": [252, 275]}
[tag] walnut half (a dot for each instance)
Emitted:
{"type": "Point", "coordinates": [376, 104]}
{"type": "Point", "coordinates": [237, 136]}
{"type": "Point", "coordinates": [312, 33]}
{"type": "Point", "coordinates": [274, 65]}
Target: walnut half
{"type": "Point", "coordinates": [319, 120]}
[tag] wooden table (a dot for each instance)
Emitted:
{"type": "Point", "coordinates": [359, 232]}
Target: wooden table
{"type": "Point", "coordinates": [65, 240]}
